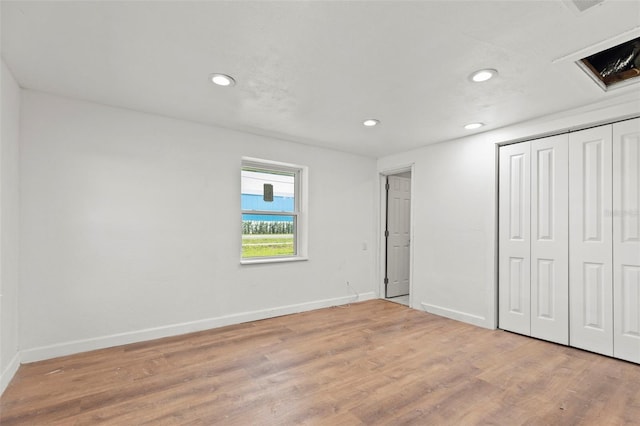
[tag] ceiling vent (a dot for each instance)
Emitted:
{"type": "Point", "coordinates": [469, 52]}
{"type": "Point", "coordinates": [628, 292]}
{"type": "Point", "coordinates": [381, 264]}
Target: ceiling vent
{"type": "Point", "coordinates": [579, 6]}
{"type": "Point", "coordinates": [614, 67]}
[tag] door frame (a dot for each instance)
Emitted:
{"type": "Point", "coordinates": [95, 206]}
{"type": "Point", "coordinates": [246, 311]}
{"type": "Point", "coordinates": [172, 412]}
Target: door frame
{"type": "Point", "coordinates": [382, 243]}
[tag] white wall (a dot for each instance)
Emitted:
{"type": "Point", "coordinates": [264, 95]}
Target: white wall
{"type": "Point", "coordinates": [9, 224]}
{"type": "Point", "coordinates": [131, 228]}
{"type": "Point", "coordinates": [454, 212]}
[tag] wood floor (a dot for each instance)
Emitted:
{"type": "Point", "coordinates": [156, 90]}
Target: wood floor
{"type": "Point", "coordinates": [374, 362]}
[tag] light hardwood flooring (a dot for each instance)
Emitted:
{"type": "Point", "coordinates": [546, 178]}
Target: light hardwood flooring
{"type": "Point", "coordinates": [403, 300]}
{"type": "Point", "coordinates": [374, 362]}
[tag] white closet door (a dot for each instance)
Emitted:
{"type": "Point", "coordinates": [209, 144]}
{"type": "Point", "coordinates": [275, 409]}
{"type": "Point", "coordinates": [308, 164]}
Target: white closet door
{"type": "Point", "coordinates": [590, 244]}
{"type": "Point", "coordinates": [514, 239]}
{"type": "Point", "coordinates": [626, 240]}
{"type": "Point", "coordinates": [550, 239]}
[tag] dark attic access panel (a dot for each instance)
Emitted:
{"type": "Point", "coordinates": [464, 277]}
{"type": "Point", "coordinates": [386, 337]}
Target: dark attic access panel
{"type": "Point", "coordinates": [618, 64]}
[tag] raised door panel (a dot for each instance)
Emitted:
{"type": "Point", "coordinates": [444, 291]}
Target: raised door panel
{"type": "Point", "coordinates": [626, 239]}
{"type": "Point", "coordinates": [590, 240]}
{"type": "Point", "coordinates": [549, 239]}
{"type": "Point", "coordinates": [514, 288]}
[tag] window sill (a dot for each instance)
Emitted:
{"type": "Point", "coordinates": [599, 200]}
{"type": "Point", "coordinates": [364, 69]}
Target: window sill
{"type": "Point", "coordinates": [273, 260]}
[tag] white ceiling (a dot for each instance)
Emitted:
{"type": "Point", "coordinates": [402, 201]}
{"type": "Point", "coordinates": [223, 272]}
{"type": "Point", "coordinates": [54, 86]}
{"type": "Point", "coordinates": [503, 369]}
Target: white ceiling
{"type": "Point", "coordinates": [312, 71]}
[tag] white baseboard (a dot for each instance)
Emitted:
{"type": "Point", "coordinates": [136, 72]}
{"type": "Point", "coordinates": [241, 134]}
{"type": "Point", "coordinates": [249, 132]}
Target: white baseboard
{"type": "Point", "coordinates": [456, 315]}
{"type": "Point", "coordinates": [77, 346]}
{"type": "Point", "coordinates": [9, 372]}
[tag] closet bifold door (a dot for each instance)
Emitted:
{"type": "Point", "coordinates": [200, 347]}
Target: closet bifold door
{"type": "Point", "coordinates": [514, 259]}
{"type": "Point", "coordinates": [549, 239]}
{"type": "Point", "coordinates": [626, 240]}
{"type": "Point", "coordinates": [590, 240]}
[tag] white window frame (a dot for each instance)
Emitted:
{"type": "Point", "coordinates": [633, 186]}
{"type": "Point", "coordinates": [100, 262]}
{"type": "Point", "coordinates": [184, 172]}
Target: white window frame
{"type": "Point", "coordinates": [300, 213]}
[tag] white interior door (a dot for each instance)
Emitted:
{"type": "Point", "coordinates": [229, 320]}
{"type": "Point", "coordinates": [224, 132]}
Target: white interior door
{"type": "Point", "coordinates": [399, 232]}
{"type": "Point", "coordinates": [590, 244]}
{"type": "Point", "coordinates": [626, 240]}
{"type": "Point", "coordinates": [550, 239]}
{"type": "Point", "coordinates": [514, 287]}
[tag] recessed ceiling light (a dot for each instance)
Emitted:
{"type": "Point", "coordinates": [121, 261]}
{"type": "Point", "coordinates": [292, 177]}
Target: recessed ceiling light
{"type": "Point", "coordinates": [371, 122]}
{"type": "Point", "coordinates": [472, 126]}
{"type": "Point", "coordinates": [222, 80]}
{"type": "Point", "coordinates": [483, 75]}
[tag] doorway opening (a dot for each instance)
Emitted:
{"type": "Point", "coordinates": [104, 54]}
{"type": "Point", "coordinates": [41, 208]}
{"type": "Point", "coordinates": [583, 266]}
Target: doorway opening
{"type": "Point", "coordinates": [397, 238]}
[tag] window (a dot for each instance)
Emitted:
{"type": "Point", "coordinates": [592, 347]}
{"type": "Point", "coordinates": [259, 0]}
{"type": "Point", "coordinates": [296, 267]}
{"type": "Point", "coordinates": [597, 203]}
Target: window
{"type": "Point", "coordinates": [273, 212]}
